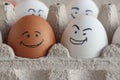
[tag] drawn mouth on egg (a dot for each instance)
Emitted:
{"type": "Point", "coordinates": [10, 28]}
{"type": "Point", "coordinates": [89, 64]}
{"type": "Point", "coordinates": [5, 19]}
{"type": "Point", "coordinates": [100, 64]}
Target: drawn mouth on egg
{"type": "Point", "coordinates": [31, 46]}
{"type": "Point", "coordinates": [77, 42]}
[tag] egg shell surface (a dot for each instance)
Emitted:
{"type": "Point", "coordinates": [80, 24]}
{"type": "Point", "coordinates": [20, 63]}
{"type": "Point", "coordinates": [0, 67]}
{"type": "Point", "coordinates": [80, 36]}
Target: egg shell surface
{"type": "Point", "coordinates": [31, 37]}
{"type": "Point", "coordinates": [29, 7]}
{"type": "Point", "coordinates": [85, 37]}
{"type": "Point", "coordinates": [78, 7]}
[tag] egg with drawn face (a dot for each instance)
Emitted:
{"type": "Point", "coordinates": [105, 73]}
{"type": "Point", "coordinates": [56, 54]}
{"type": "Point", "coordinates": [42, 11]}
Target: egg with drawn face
{"type": "Point", "coordinates": [31, 7]}
{"type": "Point", "coordinates": [78, 7]}
{"type": "Point", "coordinates": [31, 37]}
{"type": "Point", "coordinates": [84, 37]}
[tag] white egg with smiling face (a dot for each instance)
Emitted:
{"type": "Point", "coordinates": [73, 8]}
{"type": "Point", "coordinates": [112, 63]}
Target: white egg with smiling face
{"type": "Point", "coordinates": [31, 7]}
{"type": "Point", "coordinates": [78, 7]}
{"type": "Point", "coordinates": [84, 37]}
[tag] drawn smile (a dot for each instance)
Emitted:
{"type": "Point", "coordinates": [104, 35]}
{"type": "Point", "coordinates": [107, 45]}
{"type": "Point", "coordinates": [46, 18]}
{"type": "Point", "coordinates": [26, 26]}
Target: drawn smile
{"type": "Point", "coordinates": [77, 42]}
{"type": "Point", "coordinates": [31, 46]}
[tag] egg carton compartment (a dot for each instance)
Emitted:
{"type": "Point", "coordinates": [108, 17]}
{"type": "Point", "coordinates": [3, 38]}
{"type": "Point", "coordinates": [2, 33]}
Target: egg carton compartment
{"type": "Point", "coordinates": [58, 65]}
{"type": "Point", "coordinates": [60, 70]}
{"type": "Point", "coordinates": [32, 75]}
{"type": "Point", "coordinates": [25, 74]}
{"type": "Point", "coordinates": [13, 74]}
{"type": "Point", "coordinates": [8, 74]}
{"type": "Point", "coordinates": [59, 51]}
{"type": "Point", "coordinates": [88, 75]}
{"type": "Point", "coordinates": [94, 75]}
{"type": "Point", "coordinates": [115, 75]}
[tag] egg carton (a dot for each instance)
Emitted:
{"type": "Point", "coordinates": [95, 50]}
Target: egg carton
{"type": "Point", "coordinates": [58, 65]}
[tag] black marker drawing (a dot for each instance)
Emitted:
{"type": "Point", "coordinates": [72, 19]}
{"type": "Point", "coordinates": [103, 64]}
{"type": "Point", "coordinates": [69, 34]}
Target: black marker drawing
{"type": "Point", "coordinates": [75, 12]}
{"type": "Point", "coordinates": [87, 29]}
{"type": "Point", "coordinates": [79, 42]}
{"type": "Point", "coordinates": [37, 33]}
{"type": "Point", "coordinates": [31, 46]}
{"type": "Point", "coordinates": [39, 12]}
{"type": "Point", "coordinates": [88, 11]}
{"type": "Point", "coordinates": [31, 9]}
{"type": "Point", "coordinates": [77, 27]}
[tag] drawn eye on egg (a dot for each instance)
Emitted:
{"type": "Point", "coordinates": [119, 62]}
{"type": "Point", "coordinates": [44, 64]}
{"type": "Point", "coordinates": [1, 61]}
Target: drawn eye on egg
{"type": "Point", "coordinates": [75, 11]}
{"type": "Point", "coordinates": [27, 35]}
{"type": "Point", "coordinates": [33, 11]}
{"type": "Point", "coordinates": [75, 41]}
{"type": "Point", "coordinates": [77, 28]}
{"type": "Point", "coordinates": [88, 12]}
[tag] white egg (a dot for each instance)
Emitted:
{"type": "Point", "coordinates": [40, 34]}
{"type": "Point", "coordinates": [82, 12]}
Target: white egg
{"type": "Point", "coordinates": [116, 36]}
{"type": "Point", "coordinates": [78, 7]}
{"type": "Point", "coordinates": [85, 37]}
{"type": "Point", "coordinates": [29, 7]}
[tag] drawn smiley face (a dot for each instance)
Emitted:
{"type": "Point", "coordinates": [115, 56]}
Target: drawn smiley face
{"type": "Point", "coordinates": [36, 34]}
{"type": "Point", "coordinates": [31, 7]}
{"type": "Point", "coordinates": [84, 35]}
{"type": "Point", "coordinates": [33, 36]}
{"type": "Point", "coordinates": [75, 11]}
{"type": "Point", "coordinates": [80, 7]}
{"type": "Point", "coordinates": [38, 12]}
{"type": "Point", "coordinates": [76, 32]}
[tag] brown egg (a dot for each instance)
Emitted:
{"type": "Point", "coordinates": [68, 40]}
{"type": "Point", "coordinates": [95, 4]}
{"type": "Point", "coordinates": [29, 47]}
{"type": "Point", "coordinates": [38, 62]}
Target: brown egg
{"type": "Point", "coordinates": [31, 37]}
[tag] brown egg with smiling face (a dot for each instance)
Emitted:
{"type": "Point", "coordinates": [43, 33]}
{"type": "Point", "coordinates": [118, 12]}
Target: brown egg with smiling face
{"type": "Point", "coordinates": [31, 37]}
